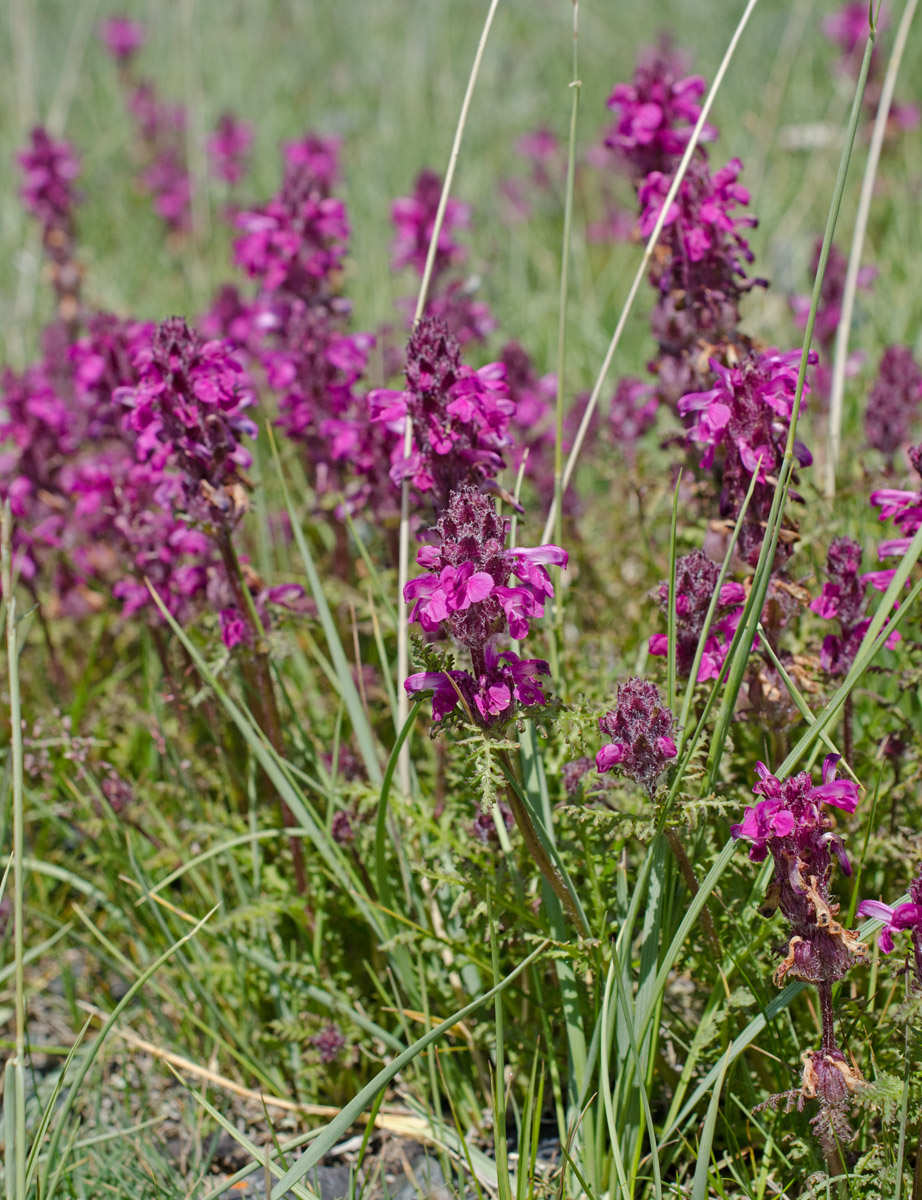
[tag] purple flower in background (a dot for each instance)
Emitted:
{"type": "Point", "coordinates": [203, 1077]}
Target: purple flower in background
{"type": "Point", "coordinates": [657, 112]}
{"type": "Point", "coordinates": [829, 311]}
{"type": "Point", "coordinates": [843, 599]}
{"type": "Point", "coordinates": [299, 238]}
{"type": "Point", "coordinates": [122, 38]}
{"type": "Point", "coordinates": [414, 220]}
{"type": "Point", "coordinates": [790, 823]}
{"type": "Point", "coordinates": [848, 29]}
{"type": "Point", "coordinates": [746, 415]}
{"type": "Point", "coordinates": [893, 402]}
{"type": "Point", "coordinates": [460, 417]}
{"type": "Point", "coordinates": [632, 412]}
{"type": "Point", "coordinates": [696, 579]}
{"type": "Point", "coordinates": [899, 918]}
{"type": "Point", "coordinates": [328, 1043]}
{"type": "Point", "coordinates": [229, 147]}
{"type": "Point", "coordinates": [168, 182]}
{"type": "Point", "coordinates": [49, 169]}
{"type": "Point", "coordinates": [188, 411]}
{"type": "Point", "coordinates": [641, 729]}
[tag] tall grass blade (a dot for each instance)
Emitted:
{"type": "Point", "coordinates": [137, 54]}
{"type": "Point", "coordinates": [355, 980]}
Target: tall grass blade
{"type": "Point", "coordinates": [350, 1113]}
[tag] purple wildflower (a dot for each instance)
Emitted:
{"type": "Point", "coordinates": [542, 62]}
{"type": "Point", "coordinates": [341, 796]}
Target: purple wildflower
{"type": "Point", "coordinates": [829, 312]}
{"type": "Point", "coordinates": [696, 579]}
{"type": "Point", "coordinates": [188, 411]}
{"type": "Point", "coordinates": [898, 918]}
{"type": "Point", "coordinates": [843, 599]}
{"type": "Point", "coordinates": [328, 1042]}
{"type": "Point", "coordinates": [122, 38]}
{"type": "Point", "coordinates": [460, 417]}
{"type": "Point", "coordinates": [632, 412]}
{"type": "Point", "coordinates": [747, 415]}
{"type": "Point", "coordinates": [299, 238]}
{"type": "Point", "coordinates": [893, 403]}
{"type": "Point", "coordinates": [469, 591]}
{"type": "Point", "coordinates": [657, 112]}
{"type": "Point", "coordinates": [341, 828]}
{"type": "Point", "coordinates": [640, 727]}
{"type": "Point", "coordinates": [49, 169]}
{"type": "Point", "coordinates": [414, 220]}
{"type": "Point", "coordinates": [229, 147]}
{"type": "Point", "coordinates": [790, 823]}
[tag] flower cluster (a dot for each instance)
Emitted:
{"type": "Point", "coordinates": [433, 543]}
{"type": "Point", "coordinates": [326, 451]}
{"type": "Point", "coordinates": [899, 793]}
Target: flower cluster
{"type": "Point", "coordinates": [468, 592]}
{"type": "Point", "coordinates": [641, 729]}
{"type": "Point", "coordinates": [893, 402]}
{"type": "Point", "coordinates": [229, 147]}
{"type": "Point", "coordinates": [49, 169]}
{"type": "Point", "coordinates": [632, 412]}
{"type": "Point", "coordinates": [904, 506]}
{"type": "Point", "coordinates": [122, 38]}
{"type": "Point", "coordinates": [696, 578]}
{"type": "Point", "coordinates": [747, 416]}
{"type": "Point", "coordinates": [414, 222]}
{"type": "Point", "coordinates": [460, 417]}
{"type": "Point", "coordinates": [791, 824]}
{"type": "Point", "coordinates": [897, 919]}
{"type": "Point", "coordinates": [829, 314]}
{"type": "Point", "coordinates": [188, 412]}
{"type": "Point", "coordinates": [657, 112]}
{"type": "Point", "coordinates": [848, 30]}
{"type": "Point", "coordinates": [294, 243]}
{"type": "Point", "coordinates": [451, 300]}
{"type": "Point", "coordinates": [843, 599]}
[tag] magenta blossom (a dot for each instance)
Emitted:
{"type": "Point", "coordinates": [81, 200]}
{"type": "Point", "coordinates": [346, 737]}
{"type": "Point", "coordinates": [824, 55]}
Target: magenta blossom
{"type": "Point", "coordinates": [696, 579]}
{"type": "Point", "coordinates": [657, 112]}
{"type": "Point", "coordinates": [460, 417]}
{"type": "Point", "coordinates": [640, 727]}
{"type": "Point", "coordinates": [894, 401]}
{"type": "Point", "coordinates": [229, 148]}
{"type": "Point", "coordinates": [49, 169]}
{"type": "Point", "coordinates": [122, 38]}
{"type": "Point", "coordinates": [791, 824]}
{"type": "Point", "coordinates": [414, 221]}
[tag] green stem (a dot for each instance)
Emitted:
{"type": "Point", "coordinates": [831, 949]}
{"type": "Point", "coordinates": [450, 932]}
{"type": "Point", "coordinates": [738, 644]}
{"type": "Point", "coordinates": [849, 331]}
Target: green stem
{"type": "Point", "coordinates": [543, 863]}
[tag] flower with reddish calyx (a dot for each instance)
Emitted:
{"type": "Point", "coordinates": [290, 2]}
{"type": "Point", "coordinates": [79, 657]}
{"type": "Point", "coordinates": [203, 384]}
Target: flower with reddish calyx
{"type": "Point", "coordinates": [747, 416]}
{"type": "Point", "coordinates": [696, 579]}
{"type": "Point", "coordinates": [49, 169]}
{"type": "Point", "coordinates": [188, 412]}
{"type": "Point", "coordinates": [299, 239]}
{"type": "Point", "coordinates": [468, 593]}
{"type": "Point", "coordinates": [898, 918]}
{"type": "Point", "coordinates": [640, 727]}
{"type": "Point", "coordinates": [657, 112]}
{"type": "Point", "coordinates": [843, 599]}
{"type": "Point", "coordinates": [328, 1043]}
{"type": "Point", "coordinates": [229, 147]}
{"type": "Point", "coordinates": [790, 823]}
{"type": "Point", "coordinates": [893, 402]}
{"type": "Point", "coordinates": [414, 220]}
{"type": "Point", "coordinates": [904, 506]}
{"type": "Point", "coordinates": [460, 417]}
{"type": "Point", "coordinates": [468, 587]}
{"type": "Point", "coordinates": [122, 38]}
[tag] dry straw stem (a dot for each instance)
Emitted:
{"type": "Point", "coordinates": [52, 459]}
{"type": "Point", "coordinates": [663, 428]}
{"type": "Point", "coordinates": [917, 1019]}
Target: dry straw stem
{"type": "Point", "coordinates": [403, 564]}
{"type": "Point", "coordinates": [393, 1120]}
{"type": "Point", "coordinates": [642, 267]}
{"type": "Point", "coordinates": [840, 357]}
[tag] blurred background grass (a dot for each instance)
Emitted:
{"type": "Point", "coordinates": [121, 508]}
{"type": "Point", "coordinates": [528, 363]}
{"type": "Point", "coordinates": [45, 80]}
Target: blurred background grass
{"type": "Point", "coordinates": [388, 78]}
